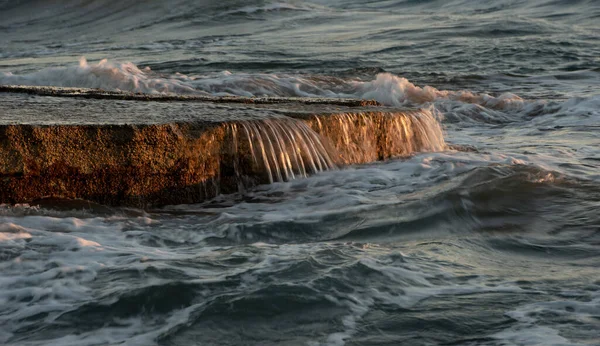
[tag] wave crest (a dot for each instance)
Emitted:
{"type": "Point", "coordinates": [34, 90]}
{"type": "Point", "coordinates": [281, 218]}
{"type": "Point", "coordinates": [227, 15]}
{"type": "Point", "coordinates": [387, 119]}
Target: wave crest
{"type": "Point", "coordinates": [386, 88]}
{"type": "Point", "coordinates": [102, 75]}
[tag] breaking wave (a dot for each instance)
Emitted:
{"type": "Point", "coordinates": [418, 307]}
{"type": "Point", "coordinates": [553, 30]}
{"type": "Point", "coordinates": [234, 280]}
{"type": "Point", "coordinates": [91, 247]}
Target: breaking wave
{"type": "Point", "coordinates": [102, 75]}
{"type": "Point", "coordinates": [386, 88]}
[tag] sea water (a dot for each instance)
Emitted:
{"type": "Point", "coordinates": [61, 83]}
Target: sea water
{"type": "Point", "coordinates": [492, 238]}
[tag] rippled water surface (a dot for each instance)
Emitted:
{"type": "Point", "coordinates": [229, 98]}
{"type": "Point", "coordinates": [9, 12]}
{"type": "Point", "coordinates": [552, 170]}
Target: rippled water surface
{"type": "Point", "coordinates": [492, 241]}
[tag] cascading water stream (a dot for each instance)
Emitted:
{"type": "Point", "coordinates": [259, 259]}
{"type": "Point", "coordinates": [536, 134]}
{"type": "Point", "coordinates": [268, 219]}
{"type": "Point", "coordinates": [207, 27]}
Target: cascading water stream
{"type": "Point", "coordinates": [370, 136]}
{"type": "Point", "coordinates": [282, 149]}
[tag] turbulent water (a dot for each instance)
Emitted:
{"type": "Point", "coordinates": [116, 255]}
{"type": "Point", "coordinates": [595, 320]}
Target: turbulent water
{"type": "Point", "coordinates": [492, 241]}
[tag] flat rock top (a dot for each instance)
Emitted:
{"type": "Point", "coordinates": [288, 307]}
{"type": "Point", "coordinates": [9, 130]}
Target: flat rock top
{"type": "Point", "coordinates": [71, 106]}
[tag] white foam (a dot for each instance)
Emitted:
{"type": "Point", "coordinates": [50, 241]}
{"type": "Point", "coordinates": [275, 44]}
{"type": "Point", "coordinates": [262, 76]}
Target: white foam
{"type": "Point", "coordinates": [385, 88]}
{"type": "Point", "coordinates": [531, 331]}
{"type": "Point", "coordinates": [412, 279]}
{"type": "Point", "coordinates": [388, 89]}
{"type": "Point", "coordinates": [102, 75]}
{"type": "Point", "coordinates": [398, 91]}
{"type": "Point", "coordinates": [533, 336]}
{"type": "Point", "coordinates": [6, 237]}
{"type": "Point", "coordinates": [577, 111]}
{"type": "Point", "coordinates": [57, 264]}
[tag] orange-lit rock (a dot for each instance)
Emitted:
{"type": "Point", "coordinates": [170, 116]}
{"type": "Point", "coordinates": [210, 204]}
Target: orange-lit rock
{"type": "Point", "coordinates": [133, 152]}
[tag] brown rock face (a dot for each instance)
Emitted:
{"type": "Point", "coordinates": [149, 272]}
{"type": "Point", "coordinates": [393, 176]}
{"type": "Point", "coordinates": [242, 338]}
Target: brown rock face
{"type": "Point", "coordinates": [146, 165]}
{"type": "Point", "coordinates": [134, 165]}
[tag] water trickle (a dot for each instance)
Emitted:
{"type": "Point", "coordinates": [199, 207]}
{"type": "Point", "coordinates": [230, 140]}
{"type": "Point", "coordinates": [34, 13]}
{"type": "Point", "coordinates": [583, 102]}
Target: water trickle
{"type": "Point", "coordinates": [279, 149]}
{"type": "Point", "coordinates": [282, 149]}
{"type": "Point", "coordinates": [370, 136]}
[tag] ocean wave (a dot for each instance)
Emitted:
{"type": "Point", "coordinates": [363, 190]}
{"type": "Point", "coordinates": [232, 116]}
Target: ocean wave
{"type": "Point", "coordinates": [386, 88]}
{"type": "Point", "coordinates": [440, 194]}
{"type": "Point", "coordinates": [507, 198]}
{"type": "Point", "coordinates": [102, 75]}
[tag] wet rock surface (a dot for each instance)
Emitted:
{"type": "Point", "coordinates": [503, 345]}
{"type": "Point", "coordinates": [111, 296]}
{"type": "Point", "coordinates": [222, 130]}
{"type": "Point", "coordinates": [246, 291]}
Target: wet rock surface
{"type": "Point", "coordinates": [130, 152]}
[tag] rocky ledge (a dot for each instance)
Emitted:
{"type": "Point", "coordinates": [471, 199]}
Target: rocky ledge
{"type": "Point", "coordinates": [128, 150]}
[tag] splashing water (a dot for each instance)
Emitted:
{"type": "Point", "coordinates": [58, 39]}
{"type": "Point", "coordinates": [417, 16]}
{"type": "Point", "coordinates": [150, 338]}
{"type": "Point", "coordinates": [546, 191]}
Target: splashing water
{"type": "Point", "coordinates": [386, 88]}
{"type": "Point", "coordinates": [103, 75]}
{"type": "Point", "coordinates": [370, 136]}
{"type": "Point", "coordinates": [282, 149]}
